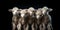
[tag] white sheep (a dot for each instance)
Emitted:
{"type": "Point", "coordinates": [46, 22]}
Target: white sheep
{"type": "Point", "coordinates": [14, 18]}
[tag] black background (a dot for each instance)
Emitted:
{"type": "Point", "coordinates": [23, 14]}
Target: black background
{"type": "Point", "coordinates": [9, 4]}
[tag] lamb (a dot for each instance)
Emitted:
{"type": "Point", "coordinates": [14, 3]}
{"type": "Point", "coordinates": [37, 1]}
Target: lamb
{"type": "Point", "coordinates": [15, 17]}
{"type": "Point", "coordinates": [23, 19]}
{"type": "Point", "coordinates": [46, 19]}
{"type": "Point", "coordinates": [39, 15]}
{"type": "Point", "coordinates": [31, 22]}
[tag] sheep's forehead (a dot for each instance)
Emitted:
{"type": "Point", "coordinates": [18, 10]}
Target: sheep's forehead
{"type": "Point", "coordinates": [31, 8]}
{"type": "Point", "coordinates": [39, 12]}
{"type": "Point", "coordinates": [23, 11]}
{"type": "Point", "coordinates": [44, 8]}
{"type": "Point", "coordinates": [15, 9]}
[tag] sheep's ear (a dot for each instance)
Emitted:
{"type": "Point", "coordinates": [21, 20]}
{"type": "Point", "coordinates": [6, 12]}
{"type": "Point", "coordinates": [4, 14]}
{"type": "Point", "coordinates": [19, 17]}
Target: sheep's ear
{"type": "Point", "coordinates": [50, 9]}
{"type": "Point", "coordinates": [10, 10]}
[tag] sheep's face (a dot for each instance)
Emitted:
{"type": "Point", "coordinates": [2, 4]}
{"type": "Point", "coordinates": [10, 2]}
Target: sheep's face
{"type": "Point", "coordinates": [23, 12]}
{"type": "Point", "coordinates": [38, 13]}
{"type": "Point", "coordinates": [30, 12]}
{"type": "Point", "coordinates": [18, 12]}
{"type": "Point", "coordinates": [44, 10]}
{"type": "Point", "coordinates": [14, 10]}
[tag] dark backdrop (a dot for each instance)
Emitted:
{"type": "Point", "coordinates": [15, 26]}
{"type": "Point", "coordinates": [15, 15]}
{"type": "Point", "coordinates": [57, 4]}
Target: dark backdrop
{"type": "Point", "coordinates": [8, 4]}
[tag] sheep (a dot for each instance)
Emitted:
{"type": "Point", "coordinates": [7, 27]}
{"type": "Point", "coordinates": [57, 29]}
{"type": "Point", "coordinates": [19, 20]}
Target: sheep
{"type": "Point", "coordinates": [34, 17]}
{"type": "Point", "coordinates": [31, 11]}
{"type": "Point", "coordinates": [23, 19]}
{"type": "Point", "coordinates": [46, 19]}
{"type": "Point", "coordinates": [39, 15]}
{"type": "Point", "coordinates": [19, 21]}
{"type": "Point", "coordinates": [15, 17]}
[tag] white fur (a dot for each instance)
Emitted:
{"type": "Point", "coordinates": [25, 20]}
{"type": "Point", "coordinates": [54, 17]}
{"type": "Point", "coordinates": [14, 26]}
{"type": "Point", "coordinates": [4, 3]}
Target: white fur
{"type": "Point", "coordinates": [14, 10]}
{"type": "Point", "coordinates": [38, 13]}
{"type": "Point", "coordinates": [30, 10]}
{"type": "Point", "coordinates": [23, 13]}
{"type": "Point", "coordinates": [37, 16]}
{"type": "Point", "coordinates": [19, 26]}
{"type": "Point", "coordinates": [44, 9]}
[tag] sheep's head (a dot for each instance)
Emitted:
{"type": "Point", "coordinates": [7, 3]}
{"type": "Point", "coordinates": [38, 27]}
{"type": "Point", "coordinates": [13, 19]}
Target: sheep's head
{"type": "Point", "coordinates": [44, 9]}
{"type": "Point", "coordinates": [38, 13]}
{"type": "Point", "coordinates": [18, 12]}
{"type": "Point", "coordinates": [14, 10]}
{"type": "Point", "coordinates": [31, 10]}
{"type": "Point", "coordinates": [23, 12]}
